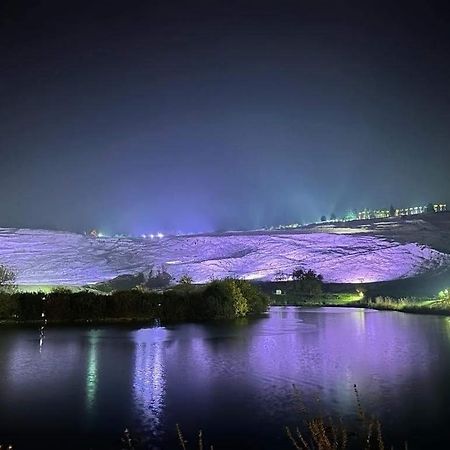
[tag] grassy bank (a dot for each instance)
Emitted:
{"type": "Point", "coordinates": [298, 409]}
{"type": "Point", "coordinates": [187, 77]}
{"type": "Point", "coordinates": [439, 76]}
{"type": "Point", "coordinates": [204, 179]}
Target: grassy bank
{"type": "Point", "coordinates": [293, 293]}
{"type": "Point", "coordinates": [218, 300]}
{"type": "Point", "coordinates": [406, 304]}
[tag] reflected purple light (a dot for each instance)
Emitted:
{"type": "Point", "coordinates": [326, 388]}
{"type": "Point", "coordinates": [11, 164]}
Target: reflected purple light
{"type": "Point", "coordinates": [329, 350]}
{"type": "Point", "coordinates": [234, 376]}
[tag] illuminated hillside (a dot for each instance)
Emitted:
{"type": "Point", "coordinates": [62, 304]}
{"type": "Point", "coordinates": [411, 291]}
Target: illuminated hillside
{"type": "Point", "coordinates": [358, 253]}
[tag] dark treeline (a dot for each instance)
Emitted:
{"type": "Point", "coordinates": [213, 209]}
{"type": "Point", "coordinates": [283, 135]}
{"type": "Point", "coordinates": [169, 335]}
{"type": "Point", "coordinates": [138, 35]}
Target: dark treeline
{"type": "Point", "coordinates": [297, 288]}
{"type": "Point", "coordinates": [225, 299]}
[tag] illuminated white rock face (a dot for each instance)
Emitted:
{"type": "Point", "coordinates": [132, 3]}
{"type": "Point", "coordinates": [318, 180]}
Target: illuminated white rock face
{"type": "Point", "coordinates": [58, 258]}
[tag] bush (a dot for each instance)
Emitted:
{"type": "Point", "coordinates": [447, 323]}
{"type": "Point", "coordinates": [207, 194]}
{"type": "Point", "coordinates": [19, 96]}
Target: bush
{"type": "Point", "coordinates": [257, 301]}
{"type": "Point", "coordinates": [226, 299]}
{"type": "Point", "coordinates": [7, 279]}
{"type": "Point", "coordinates": [232, 298]}
{"type": "Point", "coordinates": [307, 283]}
{"type": "Point", "coordinates": [9, 307]}
{"type": "Point", "coordinates": [29, 305]}
{"type": "Point", "coordinates": [219, 301]}
{"type": "Point", "coordinates": [158, 279]}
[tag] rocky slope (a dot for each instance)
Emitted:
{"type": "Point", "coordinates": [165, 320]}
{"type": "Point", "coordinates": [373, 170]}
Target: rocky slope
{"type": "Point", "coordinates": [349, 253]}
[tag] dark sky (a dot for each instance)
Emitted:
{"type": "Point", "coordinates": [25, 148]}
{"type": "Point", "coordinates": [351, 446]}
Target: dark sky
{"type": "Point", "coordinates": [141, 116]}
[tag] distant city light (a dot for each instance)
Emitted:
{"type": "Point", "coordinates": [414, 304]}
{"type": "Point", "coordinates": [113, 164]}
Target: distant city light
{"type": "Point", "coordinates": [152, 236]}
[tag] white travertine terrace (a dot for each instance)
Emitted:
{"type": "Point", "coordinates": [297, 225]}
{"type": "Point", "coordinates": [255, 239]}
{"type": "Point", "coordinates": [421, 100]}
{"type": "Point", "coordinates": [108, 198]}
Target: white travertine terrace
{"type": "Point", "coordinates": [60, 258]}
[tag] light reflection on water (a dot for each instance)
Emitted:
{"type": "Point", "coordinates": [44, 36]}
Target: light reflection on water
{"type": "Point", "coordinates": [92, 371]}
{"type": "Point", "coordinates": [233, 380]}
{"type": "Point", "coordinates": [149, 376]}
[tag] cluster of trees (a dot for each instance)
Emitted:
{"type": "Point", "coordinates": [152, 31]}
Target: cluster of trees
{"type": "Point", "coordinates": [430, 208]}
{"type": "Point", "coordinates": [332, 218]}
{"type": "Point", "coordinates": [224, 299]}
{"type": "Point", "coordinates": [301, 284]}
{"type": "Point", "coordinates": [154, 278]}
{"type": "Point", "coordinates": [7, 279]}
{"type": "Point", "coordinates": [307, 283]}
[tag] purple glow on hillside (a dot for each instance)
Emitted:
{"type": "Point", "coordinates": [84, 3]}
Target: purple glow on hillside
{"type": "Point", "coordinates": [44, 257]}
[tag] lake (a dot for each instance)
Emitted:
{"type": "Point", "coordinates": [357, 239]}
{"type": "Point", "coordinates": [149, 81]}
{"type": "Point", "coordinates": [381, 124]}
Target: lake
{"type": "Point", "coordinates": [234, 381]}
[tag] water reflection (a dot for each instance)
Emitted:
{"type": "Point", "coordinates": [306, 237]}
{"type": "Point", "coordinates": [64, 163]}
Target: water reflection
{"type": "Point", "coordinates": [359, 319]}
{"type": "Point", "coordinates": [325, 351]}
{"type": "Point", "coordinates": [92, 371]}
{"type": "Point", "coordinates": [233, 380]}
{"type": "Point", "coordinates": [149, 376]}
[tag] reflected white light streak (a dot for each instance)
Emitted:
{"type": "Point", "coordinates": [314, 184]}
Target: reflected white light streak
{"type": "Point", "coordinates": [42, 329]}
{"type": "Point", "coordinates": [92, 371]}
{"type": "Point", "coordinates": [149, 376]}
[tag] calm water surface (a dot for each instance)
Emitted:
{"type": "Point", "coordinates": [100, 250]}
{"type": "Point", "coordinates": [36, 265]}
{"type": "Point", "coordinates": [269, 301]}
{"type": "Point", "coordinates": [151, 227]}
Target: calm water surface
{"type": "Point", "coordinates": [233, 381]}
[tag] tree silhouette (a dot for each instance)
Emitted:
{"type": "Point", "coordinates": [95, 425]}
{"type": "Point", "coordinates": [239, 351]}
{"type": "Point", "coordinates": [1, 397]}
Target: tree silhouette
{"type": "Point", "coordinates": [185, 279]}
{"type": "Point", "coordinates": [430, 208]}
{"type": "Point", "coordinates": [7, 278]}
{"type": "Point", "coordinates": [308, 283]}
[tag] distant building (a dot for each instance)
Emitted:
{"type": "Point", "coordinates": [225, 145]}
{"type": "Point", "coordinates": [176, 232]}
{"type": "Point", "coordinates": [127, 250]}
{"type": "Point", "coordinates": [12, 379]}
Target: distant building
{"type": "Point", "coordinates": [384, 213]}
{"type": "Point", "coordinates": [440, 208]}
{"type": "Point", "coordinates": [373, 214]}
{"type": "Point", "coordinates": [411, 211]}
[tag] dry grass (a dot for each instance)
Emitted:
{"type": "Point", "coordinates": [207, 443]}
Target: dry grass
{"type": "Point", "coordinates": [183, 442]}
{"type": "Point", "coordinates": [323, 433]}
{"type": "Point", "coordinates": [314, 433]}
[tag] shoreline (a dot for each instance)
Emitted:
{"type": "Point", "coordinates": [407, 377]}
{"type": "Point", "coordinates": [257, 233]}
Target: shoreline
{"type": "Point", "coordinates": [141, 321]}
{"type": "Point", "coordinates": [79, 322]}
{"type": "Point", "coordinates": [408, 308]}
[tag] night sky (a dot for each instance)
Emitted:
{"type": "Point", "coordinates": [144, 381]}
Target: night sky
{"type": "Point", "coordinates": [141, 116]}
